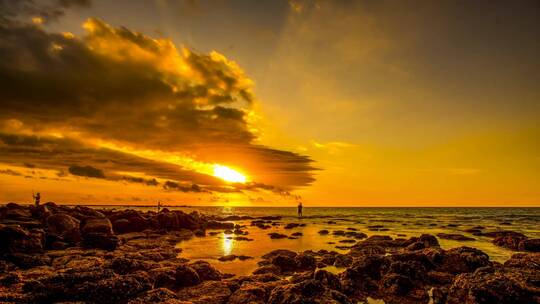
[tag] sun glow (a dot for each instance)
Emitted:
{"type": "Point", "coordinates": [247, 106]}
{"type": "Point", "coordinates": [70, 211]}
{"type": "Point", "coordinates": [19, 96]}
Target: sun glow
{"type": "Point", "coordinates": [228, 174]}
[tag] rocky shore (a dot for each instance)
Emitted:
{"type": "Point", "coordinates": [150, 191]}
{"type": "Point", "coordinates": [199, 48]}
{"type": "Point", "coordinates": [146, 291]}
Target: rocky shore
{"type": "Point", "coordinates": [59, 254]}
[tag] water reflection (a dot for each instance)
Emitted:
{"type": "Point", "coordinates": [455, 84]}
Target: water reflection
{"type": "Point", "coordinates": [227, 245]}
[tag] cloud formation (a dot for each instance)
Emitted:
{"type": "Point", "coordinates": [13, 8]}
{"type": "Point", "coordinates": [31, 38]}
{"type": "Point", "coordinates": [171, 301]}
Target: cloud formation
{"type": "Point", "coordinates": [67, 100]}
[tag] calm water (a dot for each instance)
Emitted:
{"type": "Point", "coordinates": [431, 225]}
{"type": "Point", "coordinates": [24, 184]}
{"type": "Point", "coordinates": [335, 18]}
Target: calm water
{"type": "Point", "coordinates": [408, 221]}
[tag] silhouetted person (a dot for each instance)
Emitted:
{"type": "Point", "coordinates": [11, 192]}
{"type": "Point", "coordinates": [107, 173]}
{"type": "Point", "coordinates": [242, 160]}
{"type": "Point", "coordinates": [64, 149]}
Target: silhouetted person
{"type": "Point", "coordinates": [158, 206]}
{"type": "Point", "coordinates": [37, 199]}
{"type": "Point", "coordinates": [299, 209]}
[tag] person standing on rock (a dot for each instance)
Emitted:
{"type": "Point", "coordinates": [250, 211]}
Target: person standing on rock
{"type": "Point", "coordinates": [37, 199]}
{"type": "Point", "coordinates": [158, 206]}
{"type": "Point", "coordinates": [300, 209]}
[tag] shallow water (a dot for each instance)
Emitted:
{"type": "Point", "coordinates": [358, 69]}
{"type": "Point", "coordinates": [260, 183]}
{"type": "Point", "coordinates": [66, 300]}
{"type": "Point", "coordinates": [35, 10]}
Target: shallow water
{"type": "Point", "coordinates": [407, 221]}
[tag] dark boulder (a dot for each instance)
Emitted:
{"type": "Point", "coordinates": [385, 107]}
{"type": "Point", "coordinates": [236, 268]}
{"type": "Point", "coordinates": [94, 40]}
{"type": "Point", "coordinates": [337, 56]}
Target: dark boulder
{"type": "Point", "coordinates": [100, 241]}
{"type": "Point", "coordinates": [186, 276]}
{"type": "Point", "coordinates": [15, 239]}
{"type": "Point", "coordinates": [97, 226]}
{"type": "Point", "coordinates": [206, 271]}
{"type": "Point", "coordinates": [64, 226]}
{"type": "Point", "coordinates": [309, 291]}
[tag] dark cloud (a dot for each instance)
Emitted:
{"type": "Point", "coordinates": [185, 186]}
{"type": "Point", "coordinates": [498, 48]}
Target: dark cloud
{"type": "Point", "coordinates": [10, 172]}
{"type": "Point", "coordinates": [170, 185]}
{"type": "Point", "coordinates": [123, 87]}
{"type": "Point", "coordinates": [140, 180]}
{"type": "Point", "coordinates": [87, 171]}
{"type": "Point", "coordinates": [48, 10]}
{"type": "Point", "coordinates": [60, 154]}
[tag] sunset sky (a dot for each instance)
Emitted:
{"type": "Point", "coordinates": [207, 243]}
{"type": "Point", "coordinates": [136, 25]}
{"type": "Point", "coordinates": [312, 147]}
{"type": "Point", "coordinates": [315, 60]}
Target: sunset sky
{"type": "Point", "coordinates": [264, 103]}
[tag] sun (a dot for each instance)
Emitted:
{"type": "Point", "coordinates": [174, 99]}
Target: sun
{"type": "Point", "coordinates": [228, 174]}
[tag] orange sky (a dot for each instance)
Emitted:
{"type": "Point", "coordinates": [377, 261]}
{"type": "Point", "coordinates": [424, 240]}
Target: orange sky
{"type": "Point", "coordinates": [262, 104]}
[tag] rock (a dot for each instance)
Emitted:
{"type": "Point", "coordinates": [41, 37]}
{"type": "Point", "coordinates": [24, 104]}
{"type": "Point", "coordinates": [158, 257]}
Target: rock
{"type": "Point", "coordinates": [323, 232]}
{"type": "Point", "coordinates": [396, 284]}
{"type": "Point", "coordinates": [249, 294]}
{"type": "Point", "coordinates": [158, 295]}
{"type": "Point", "coordinates": [362, 277]}
{"type": "Point", "coordinates": [65, 226]}
{"type": "Point", "coordinates": [10, 278]}
{"type": "Point", "coordinates": [291, 225]}
{"type": "Point", "coordinates": [532, 245]}
{"type": "Point", "coordinates": [275, 235]}
{"type": "Point", "coordinates": [27, 261]}
{"type": "Point", "coordinates": [268, 269]}
{"type": "Point", "coordinates": [186, 276]}
{"type": "Point", "coordinates": [227, 258]}
{"type": "Point", "coordinates": [14, 239]}
{"type": "Point", "coordinates": [328, 279]}
{"type": "Point", "coordinates": [509, 241]}
{"type": "Point", "coordinates": [209, 292]}
{"type": "Point", "coordinates": [494, 285]}
{"type": "Point", "coordinates": [309, 291]}
{"type": "Point", "coordinates": [463, 259]}
{"type": "Point", "coordinates": [501, 233]}
{"type": "Point", "coordinates": [206, 271]}
{"type": "Point", "coordinates": [200, 233]}
{"type": "Point", "coordinates": [285, 263]}
{"type": "Point", "coordinates": [115, 289]}
{"type": "Point", "coordinates": [296, 234]}
{"type": "Point", "coordinates": [97, 225]}
{"type": "Point", "coordinates": [342, 260]}
{"type": "Point", "coordinates": [305, 261]}
{"type": "Point", "coordinates": [455, 237]}
{"type": "Point", "coordinates": [429, 240]}
{"type": "Point", "coordinates": [100, 241]}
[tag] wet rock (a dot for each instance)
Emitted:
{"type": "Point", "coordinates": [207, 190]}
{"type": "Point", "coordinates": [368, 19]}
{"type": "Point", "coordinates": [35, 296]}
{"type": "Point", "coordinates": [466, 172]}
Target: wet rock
{"type": "Point", "coordinates": [10, 278]}
{"type": "Point", "coordinates": [305, 261]}
{"type": "Point", "coordinates": [27, 261]}
{"type": "Point", "coordinates": [200, 233]}
{"type": "Point", "coordinates": [100, 241]}
{"type": "Point", "coordinates": [310, 291]}
{"type": "Point", "coordinates": [267, 269]}
{"type": "Point", "coordinates": [532, 245]}
{"type": "Point", "coordinates": [64, 226]}
{"type": "Point", "coordinates": [362, 277]}
{"type": "Point", "coordinates": [291, 225]}
{"type": "Point", "coordinates": [186, 276]}
{"type": "Point", "coordinates": [323, 232]}
{"type": "Point", "coordinates": [249, 294]}
{"type": "Point", "coordinates": [328, 279]}
{"type": "Point", "coordinates": [128, 221]}
{"type": "Point", "coordinates": [158, 295]}
{"type": "Point", "coordinates": [210, 292]}
{"type": "Point", "coordinates": [494, 285]}
{"type": "Point", "coordinates": [429, 240]}
{"type": "Point", "coordinates": [338, 232]}
{"type": "Point", "coordinates": [97, 226]}
{"type": "Point", "coordinates": [275, 235]}
{"type": "Point", "coordinates": [285, 263]}
{"type": "Point", "coordinates": [115, 289]}
{"type": "Point", "coordinates": [219, 225]}
{"type": "Point", "coordinates": [124, 265]}
{"type": "Point", "coordinates": [342, 260]}
{"type": "Point", "coordinates": [463, 259]}
{"type": "Point", "coordinates": [438, 277]}
{"type": "Point", "coordinates": [206, 271]}
{"type": "Point", "coordinates": [503, 233]}
{"type": "Point", "coordinates": [14, 239]}
{"type": "Point", "coordinates": [396, 284]}
{"type": "Point", "coordinates": [296, 234]}
{"type": "Point", "coordinates": [275, 253]}
{"type": "Point", "coordinates": [455, 237]}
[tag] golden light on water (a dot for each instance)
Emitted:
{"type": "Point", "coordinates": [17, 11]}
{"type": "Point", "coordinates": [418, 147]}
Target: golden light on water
{"type": "Point", "coordinates": [228, 174]}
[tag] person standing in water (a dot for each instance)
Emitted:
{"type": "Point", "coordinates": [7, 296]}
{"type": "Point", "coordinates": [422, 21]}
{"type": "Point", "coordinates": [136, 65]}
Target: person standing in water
{"type": "Point", "coordinates": [299, 209]}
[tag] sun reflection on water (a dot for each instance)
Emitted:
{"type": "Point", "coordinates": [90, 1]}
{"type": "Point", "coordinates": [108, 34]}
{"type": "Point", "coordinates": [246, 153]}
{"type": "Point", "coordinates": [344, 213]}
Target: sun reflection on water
{"type": "Point", "coordinates": [227, 245]}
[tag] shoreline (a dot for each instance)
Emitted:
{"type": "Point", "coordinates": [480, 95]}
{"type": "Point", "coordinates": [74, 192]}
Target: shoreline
{"type": "Point", "coordinates": [56, 253]}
